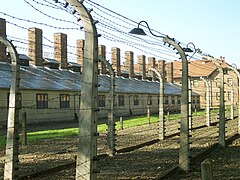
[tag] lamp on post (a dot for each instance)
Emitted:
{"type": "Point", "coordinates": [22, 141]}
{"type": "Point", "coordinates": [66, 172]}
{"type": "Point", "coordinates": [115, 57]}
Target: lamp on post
{"type": "Point", "coordinates": [184, 160]}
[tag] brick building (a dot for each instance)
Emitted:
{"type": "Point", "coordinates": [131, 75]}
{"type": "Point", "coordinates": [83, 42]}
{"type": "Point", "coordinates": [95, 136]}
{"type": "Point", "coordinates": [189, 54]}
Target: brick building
{"type": "Point", "coordinates": [206, 69]}
{"type": "Point", "coordinates": [51, 87]}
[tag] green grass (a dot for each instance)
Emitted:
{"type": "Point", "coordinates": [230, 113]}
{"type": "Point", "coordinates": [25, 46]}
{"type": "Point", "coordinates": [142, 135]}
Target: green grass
{"type": "Point", "coordinates": [42, 135]}
{"type": "Point", "coordinates": [71, 132]}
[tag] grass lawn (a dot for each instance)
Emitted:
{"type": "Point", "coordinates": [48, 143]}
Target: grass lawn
{"type": "Point", "coordinates": [127, 123]}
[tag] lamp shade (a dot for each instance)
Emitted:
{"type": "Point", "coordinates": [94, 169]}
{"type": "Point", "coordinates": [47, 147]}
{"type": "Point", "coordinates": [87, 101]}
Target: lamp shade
{"type": "Point", "coordinates": [187, 50]}
{"type": "Point", "coordinates": [137, 31]}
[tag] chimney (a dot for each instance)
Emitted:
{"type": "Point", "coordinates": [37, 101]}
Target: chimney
{"type": "Point", "coordinates": [129, 63]}
{"type": "Point", "coordinates": [152, 64]}
{"type": "Point", "coordinates": [60, 49]}
{"type": "Point", "coordinates": [80, 51]}
{"type": "Point", "coordinates": [102, 54]}
{"type": "Point", "coordinates": [115, 57]}
{"type": "Point", "coordinates": [161, 67]}
{"type": "Point", "coordinates": [169, 71]}
{"type": "Point", "coordinates": [35, 46]}
{"type": "Point", "coordinates": [142, 65]}
{"type": "Point", "coordinates": [3, 53]}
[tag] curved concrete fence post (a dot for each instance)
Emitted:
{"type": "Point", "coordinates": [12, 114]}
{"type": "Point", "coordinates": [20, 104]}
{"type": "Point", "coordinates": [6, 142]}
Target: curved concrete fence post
{"type": "Point", "coordinates": [12, 142]}
{"type": "Point", "coordinates": [87, 141]}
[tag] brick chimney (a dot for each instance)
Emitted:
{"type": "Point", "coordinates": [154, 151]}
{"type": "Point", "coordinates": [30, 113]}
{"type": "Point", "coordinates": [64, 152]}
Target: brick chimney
{"type": "Point", "coordinates": [115, 58]}
{"type": "Point", "coordinates": [161, 67]}
{"type": "Point", "coordinates": [169, 71]}
{"type": "Point", "coordinates": [129, 63]}
{"type": "Point", "coordinates": [35, 46]}
{"type": "Point", "coordinates": [102, 54]}
{"type": "Point", "coordinates": [3, 53]}
{"type": "Point", "coordinates": [80, 51]}
{"type": "Point", "coordinates": [142, 65]}
{"type": "Point", "coordinates": [60, 49]}
{"type": "Point", "coordinates": [152, 64]}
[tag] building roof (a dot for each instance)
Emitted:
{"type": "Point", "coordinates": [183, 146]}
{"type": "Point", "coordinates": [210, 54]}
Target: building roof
{"type": "Point", "coordinates": [44, 78]}
{"type": "Point", "coordinates": [197, 68]}
{"type": "Point", "coordinates": [50, 60]}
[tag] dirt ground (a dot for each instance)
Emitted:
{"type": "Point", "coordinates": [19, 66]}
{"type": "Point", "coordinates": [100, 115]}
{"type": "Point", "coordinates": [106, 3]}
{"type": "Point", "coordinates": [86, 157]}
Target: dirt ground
{"type": "Point", "coordinates": [148, 162]}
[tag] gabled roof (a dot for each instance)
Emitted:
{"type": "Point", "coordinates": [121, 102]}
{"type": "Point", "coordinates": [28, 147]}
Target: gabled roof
{"type": "Point", "coordinates": [44, 78]}
{"type": "Point", "coordinates": [197, 68]}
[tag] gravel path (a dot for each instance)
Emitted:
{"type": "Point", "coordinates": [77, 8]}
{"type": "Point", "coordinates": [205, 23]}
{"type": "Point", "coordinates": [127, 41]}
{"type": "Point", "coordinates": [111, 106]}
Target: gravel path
{"type": "Point", "coordinates": [148, 162]}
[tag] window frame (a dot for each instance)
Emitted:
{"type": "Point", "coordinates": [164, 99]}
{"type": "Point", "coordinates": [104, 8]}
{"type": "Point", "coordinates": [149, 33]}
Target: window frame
{"type": "Point", "coordinates": [42, 101]}
{"type": "Point", "coordinates": [135, 100]}
{"type": "Point", "coordinates": [64, 101]}
{"type": "Point", "coordinates": [121, 100]}
{"type": "Point", "coordinates": [195, 83]}
{"type": "Point", "coordinates": [217, 95]}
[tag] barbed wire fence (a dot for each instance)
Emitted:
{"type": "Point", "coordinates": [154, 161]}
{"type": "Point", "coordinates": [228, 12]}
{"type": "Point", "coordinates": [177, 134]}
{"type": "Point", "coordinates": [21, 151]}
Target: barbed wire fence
{"type": "Point", "coordinates": [113, 29]}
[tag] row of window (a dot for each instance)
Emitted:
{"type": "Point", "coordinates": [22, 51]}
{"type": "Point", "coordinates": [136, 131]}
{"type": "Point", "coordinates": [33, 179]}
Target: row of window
{"type": "Point", "coordinates": [64, 100]}
{"type": "Point", "coordinates": [121, 101]}
{"type": "Point", "coordinates": [42, 101]}
{"type": "Point", "coordinates": [229, 82]}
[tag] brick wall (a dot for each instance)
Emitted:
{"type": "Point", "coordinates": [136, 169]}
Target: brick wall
{"type": "Point", "coordinates": [115, 58]}
{"type": "Point", "coordinates": [128, 65]}
{"type": "Point", "coordinates": [3, 55]}
{"type": "Point", "coordinates": [35, 51]}
{"type": "Point", "coordinates": [60, 49]}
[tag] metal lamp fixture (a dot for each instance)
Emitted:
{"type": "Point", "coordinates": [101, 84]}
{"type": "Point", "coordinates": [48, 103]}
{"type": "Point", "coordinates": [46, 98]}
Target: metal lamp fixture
{"type": "Point", "coordinates": [140, 31]}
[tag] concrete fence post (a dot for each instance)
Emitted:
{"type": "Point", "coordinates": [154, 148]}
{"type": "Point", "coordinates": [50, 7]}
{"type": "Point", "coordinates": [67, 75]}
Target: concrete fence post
{"type": "Point", "coordinates": [12, 143]}
{"type": "Point", "coordinates": [148, 114]}
{"type": "Point", "coordinates": [190, 104]}
{"type": "Point", "coordinates": [161, 104]}
{"type": "Point", "coordinates": [207, 109]}
{"type": "Point", "coordinates": [86, 162]}
{"type": "Point", "coordinates": [111, 110]}
{"type": "Point", "coordinates": [184, 159]}
{"type": "Point", "coordinates": [222, 134]}
{"type": "Point", "coordinates": [121, 123]}
{"type": "Point", "coordinates": [206, 170]}
{"type": "Point", "coordinates": [24, 128]}
{"type": "Point", "coordinates": [238, 75]}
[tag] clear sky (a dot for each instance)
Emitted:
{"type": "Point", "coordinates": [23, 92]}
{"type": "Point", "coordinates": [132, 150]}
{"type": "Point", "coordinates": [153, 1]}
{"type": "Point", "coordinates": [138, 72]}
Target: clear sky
{"type": "Point", "coordinates": [212, 25]}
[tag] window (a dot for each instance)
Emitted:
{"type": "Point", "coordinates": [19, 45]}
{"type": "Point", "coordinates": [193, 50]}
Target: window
{"type": "Point", "coordinates": [135, 100]}
{"type": "Point", "coordinates": [217, 82]}
{"type": "Point", "coordinates": [64, 101]}
{"type": "Point", "coordinates": [230, 81]}
{"type": "Point", "coordinates": [217, 95]}
{"type": "Point", "coordinates": [149, 101]}
{"type": "Point", "coordinates": [165, 99]}
{"type": "Point", "coordinates": [229, 95]}
{"type": "Point", "coordinates": [179, 100]}
{"type": "Point", "coordinates": [101, 101]}
{"type": "Point", "coordinates": [195, 83]}
{"type": "Point", "coordinates": [120, 100]}
{"type": "Point", "coordinates": [173, 101]}
{"type": "Point", "coordinates": [42, 101]}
